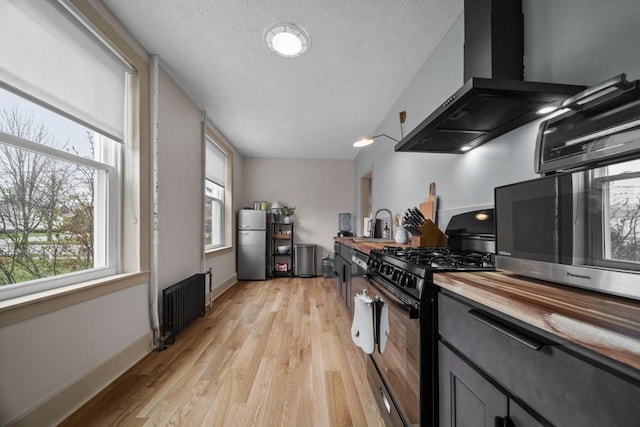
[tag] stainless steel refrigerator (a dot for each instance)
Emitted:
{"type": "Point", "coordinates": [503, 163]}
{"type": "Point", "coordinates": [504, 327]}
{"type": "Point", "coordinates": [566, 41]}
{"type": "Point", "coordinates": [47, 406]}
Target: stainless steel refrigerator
{"type": "Point", "coordinates": [252, 244]}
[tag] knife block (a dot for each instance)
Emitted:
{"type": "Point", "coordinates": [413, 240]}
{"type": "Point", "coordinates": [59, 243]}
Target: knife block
{"type": "Point", "coordinates": [431, 236]}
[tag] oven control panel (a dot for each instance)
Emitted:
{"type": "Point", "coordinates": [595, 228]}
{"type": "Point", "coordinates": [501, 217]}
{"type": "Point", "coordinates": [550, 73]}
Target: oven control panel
{"type": "Point", "coordinates": [395, 275]}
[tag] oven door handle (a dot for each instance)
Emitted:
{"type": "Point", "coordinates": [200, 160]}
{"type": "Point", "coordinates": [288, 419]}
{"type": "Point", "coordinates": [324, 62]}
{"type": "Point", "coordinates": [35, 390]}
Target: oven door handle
{"type": "Point", "coordinates": [412, 311]}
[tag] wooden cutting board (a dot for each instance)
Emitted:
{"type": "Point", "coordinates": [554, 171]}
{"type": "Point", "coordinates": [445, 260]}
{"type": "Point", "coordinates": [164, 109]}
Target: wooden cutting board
{"type": "Point", "coordinates": [429, 207]}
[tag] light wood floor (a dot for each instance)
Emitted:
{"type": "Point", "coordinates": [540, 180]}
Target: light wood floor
{"type": "Point", "coordinates": [273, 353]}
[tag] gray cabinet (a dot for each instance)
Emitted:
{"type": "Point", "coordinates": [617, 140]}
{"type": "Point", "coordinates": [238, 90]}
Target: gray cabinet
{"type": "Point", "coordinates": [469, 399]}
{"type": "Point", "coordinates": [519, 417]}
{"type": "Point", "coordinates": [533, 370]}
{"type": "Point", "coordinates": [342, 262]}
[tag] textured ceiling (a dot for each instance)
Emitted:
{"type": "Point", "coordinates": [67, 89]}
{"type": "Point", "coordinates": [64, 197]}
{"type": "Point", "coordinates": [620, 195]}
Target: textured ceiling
{"type": "Point", "coordinates": [363, 55]}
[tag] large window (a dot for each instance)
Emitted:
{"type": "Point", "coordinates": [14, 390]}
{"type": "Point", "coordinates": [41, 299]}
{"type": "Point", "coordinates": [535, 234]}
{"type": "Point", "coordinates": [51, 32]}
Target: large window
{"type": "Point", "coordinates": [216, 195]}
{"type": "Point", "coordinates": [62, 125]}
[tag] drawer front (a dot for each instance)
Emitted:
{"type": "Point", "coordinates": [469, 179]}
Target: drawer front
{"type": "Point", "coordinates": [564, 389]}
{"type": "Point", "coordinates": [388, 409]}
{"type": "Point", "coordinates": [346, 252]}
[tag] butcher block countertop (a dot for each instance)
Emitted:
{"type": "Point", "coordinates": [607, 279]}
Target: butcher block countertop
{"type": "Point", "coordinates": [364, 245]}
{"type": "Point", "coordinates": [604, 324]}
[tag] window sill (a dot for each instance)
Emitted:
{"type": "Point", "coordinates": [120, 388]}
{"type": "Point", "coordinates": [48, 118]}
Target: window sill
{"type": "Point", "coordinates": [28, 306]}
{"type": "Point", "coordinates": [212, 253]}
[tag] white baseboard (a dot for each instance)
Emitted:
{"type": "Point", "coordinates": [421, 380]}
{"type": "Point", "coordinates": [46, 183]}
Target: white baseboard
{"type": "Point", "coordinates": [63, 403]}
{"type": "Point", "coordinates": [223, 287]}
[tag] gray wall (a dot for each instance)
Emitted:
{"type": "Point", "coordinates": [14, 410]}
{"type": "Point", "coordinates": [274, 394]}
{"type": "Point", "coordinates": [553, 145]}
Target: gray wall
{"type": "Point", "coordinates": [569, 41]}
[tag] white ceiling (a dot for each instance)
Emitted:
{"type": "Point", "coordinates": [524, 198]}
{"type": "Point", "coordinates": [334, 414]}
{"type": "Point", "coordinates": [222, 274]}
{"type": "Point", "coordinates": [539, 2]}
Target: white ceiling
{"type": "Point", "coordinates": [363, 55]}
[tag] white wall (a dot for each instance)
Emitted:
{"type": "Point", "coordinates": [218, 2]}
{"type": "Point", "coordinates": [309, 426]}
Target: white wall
{"type": "Point", "coordinates": [179, 183]}
{"type": "Point", "coordinates": [44, 356]}
{"type": "Point", "coordinates": [319, 189]}
{"type": "Point", "coordinates": [573, 41]}
{"type": "Point", "coordinates": [41, 356]}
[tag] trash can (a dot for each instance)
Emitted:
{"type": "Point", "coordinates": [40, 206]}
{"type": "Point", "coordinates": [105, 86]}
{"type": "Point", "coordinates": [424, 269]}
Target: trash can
{"type": "Point", "coordinates": [304, 255]}
{"type": "Point", "coordinates": [327, 267]}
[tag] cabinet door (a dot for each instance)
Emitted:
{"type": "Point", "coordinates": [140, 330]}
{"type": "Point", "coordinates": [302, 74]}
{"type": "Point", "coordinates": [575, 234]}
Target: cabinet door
{"type": "Point", "coordinates": [346, 296]}
{"type": "Point", "coordinates": [339, 271]}
{"type": "Point", "coordinates": [519, 417]}
{"type": "Point", "coordinates": [467, 399]}
{"type": "Point", "coordinates": [565, 390]}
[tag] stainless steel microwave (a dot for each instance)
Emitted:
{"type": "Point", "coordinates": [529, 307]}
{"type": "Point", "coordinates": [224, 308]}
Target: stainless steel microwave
{"type": "Point", "coordinates": [580, 228]}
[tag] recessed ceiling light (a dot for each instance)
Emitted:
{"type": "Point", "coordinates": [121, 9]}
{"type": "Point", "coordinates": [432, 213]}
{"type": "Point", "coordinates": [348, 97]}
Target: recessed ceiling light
{"type": "Point", "coordinates": [466, 148]}
{"type": "Point", "coordinates": [287, 40]}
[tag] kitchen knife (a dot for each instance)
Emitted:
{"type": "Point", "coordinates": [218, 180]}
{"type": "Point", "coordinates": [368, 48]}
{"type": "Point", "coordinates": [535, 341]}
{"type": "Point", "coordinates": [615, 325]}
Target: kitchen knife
{"type": "Point", "coordinates": [408, 218]}
{"type": "Point", "coordinates": [418, 221]}
{"type": "Point", "coordinates": [415, 231]}
{"type": "Point", "coordinates": [414, 221]}
{"type": "Point", "coordinates": [422, 218]}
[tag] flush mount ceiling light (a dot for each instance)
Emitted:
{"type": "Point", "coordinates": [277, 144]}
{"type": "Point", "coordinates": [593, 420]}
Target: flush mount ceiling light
{"type": "Point", "coordinates": [287, 40]}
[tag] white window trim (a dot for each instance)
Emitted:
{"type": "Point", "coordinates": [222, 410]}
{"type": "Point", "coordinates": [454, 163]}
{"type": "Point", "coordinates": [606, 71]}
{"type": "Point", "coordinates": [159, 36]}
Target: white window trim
{"type": "Point", "coordinates": [228, 239]}
{"type": "Point", "coordinates": [216, 201]}
{"type": "Point", "coordinates": [111, 228]}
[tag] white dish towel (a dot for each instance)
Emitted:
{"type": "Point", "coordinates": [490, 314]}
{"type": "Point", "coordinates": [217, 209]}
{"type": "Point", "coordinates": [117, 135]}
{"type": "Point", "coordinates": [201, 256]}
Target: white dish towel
{"type": "Point", "coordinates": [362, 326]}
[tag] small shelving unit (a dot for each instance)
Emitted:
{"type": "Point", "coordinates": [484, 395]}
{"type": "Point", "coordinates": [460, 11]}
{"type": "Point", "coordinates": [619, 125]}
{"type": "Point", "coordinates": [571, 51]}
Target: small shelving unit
{"type": "Point", "coordinates": [281, 235]}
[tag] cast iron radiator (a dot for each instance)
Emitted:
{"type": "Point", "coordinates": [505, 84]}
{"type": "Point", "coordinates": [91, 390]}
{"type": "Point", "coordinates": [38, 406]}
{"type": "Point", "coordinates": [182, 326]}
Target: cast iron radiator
{"type": "Point", "coordinates": [181, 304]}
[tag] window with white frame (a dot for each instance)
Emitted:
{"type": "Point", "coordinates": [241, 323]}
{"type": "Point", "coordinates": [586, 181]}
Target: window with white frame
{"type": "Point", "coordinates": [62, 125]}
{"type": "Point", "coordinates": [214, 195]}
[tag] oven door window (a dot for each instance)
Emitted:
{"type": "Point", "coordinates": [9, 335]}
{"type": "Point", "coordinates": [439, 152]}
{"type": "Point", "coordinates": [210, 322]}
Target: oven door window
{"type": "Point", "coordinates": [618, 228]}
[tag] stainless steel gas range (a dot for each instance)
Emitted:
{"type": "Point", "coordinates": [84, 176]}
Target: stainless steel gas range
{"type": "Point", "coordinates": [403, 376]}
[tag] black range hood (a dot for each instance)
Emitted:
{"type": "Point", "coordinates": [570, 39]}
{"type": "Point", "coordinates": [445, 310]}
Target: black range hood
{"type": "Point", "coordinates": [495, 99]}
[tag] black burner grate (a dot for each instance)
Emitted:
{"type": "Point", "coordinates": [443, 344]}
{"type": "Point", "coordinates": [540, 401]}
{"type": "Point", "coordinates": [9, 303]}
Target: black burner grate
{"type": "Point", "coordinates": [440, 257]}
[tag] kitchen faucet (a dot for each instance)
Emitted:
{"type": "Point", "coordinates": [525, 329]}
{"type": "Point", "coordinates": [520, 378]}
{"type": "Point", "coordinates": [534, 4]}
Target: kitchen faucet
{"type": "Point", "coordinates": [390, 221]}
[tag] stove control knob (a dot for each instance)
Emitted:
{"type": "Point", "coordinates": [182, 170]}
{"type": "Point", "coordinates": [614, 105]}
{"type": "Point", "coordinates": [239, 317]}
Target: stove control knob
{"type": "Point", "coordinates": [411, 281]}
{"type": "Point", "coordinates": [404, 280]}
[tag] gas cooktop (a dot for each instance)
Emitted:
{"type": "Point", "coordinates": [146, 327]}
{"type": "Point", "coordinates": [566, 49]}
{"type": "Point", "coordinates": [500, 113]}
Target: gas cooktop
{"type": "Point", "coordinates": [410, 269]}
{"type": "Point", "coordinates": [440, 258]}
{"type": "Point", "coordinates": [471, 243]}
